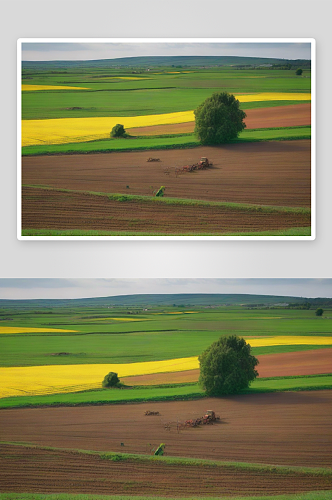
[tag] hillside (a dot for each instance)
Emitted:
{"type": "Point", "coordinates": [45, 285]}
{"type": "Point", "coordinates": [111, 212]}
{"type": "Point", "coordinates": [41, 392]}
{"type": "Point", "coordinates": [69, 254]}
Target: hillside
{"type": "Point", "coordinates": [167, 300]}
{"type": "Point", "coordinates": [157, 61]}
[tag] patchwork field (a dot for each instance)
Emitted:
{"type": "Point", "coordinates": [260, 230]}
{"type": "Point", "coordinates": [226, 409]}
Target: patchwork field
{"type": "Point", "coordinates": [66, 115]}
{"type": "Point", "coordinates": [53, 407]}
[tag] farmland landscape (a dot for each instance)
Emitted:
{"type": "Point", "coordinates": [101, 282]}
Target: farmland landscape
{"type": "Point", "coordinates": [78, 181]}
{"type": "Point", "coordinates": [74, 439]}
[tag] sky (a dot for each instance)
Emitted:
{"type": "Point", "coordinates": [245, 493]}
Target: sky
{"type": "Point", "coordinates": [51, 51]}
{"type": "Point", "coordinates": [62, 288]}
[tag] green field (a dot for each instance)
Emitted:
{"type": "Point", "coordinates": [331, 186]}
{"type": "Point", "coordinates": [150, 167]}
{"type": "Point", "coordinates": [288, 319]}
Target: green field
{"type": "Point", "coordinates": [176, 392]}
{"type": "Point", "coordinates": [151, 336]}
{"type": "Point", "coordinates": [162, 142]}
{"type": "Point", "coordinates": [150, 93]}
{"type": "Point", "coordinates": [154, 333]}
{"type": "Point", "coordinates": [119, 92]}
{"type": "Point", "coordinates": [296, 231]}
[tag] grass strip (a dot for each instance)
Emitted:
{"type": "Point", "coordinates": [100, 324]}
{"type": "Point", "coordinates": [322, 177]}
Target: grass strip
{"type": "Point", "coordinates": [162, 142]}
{"type": "Point", "coordinates": [296, 231]}
{"type": "Point", "coordinates": [314, 495]}
{"type": "Point", "coordinates": [185, 461]}
{"type": "Point", "coordinates": [122, 198]}
{"type": "Point", "coordinates": [181, 392]}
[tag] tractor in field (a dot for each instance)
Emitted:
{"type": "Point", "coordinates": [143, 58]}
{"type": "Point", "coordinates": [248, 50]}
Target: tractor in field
{"type": "Point", "coordinates": [204, 163]}
{"type": "Point", "coordinates": [201, 165]}
{"type": "Point", "coordinates": [210, 417]}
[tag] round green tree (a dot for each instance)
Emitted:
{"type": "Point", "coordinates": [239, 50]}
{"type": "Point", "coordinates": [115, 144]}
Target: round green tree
{"type": "Point", "coordinates": [319, 312]}
{"type": "Point", "coordinates": [111, 380]}
{"type": "Point", "coordinates": [227, 367]}
{"type": "Point", "coordinates": [299, 71]}
{"type": "Point", "coordinates": [118, 131]}
{"type": "Point", "coordinates": [219, 119]}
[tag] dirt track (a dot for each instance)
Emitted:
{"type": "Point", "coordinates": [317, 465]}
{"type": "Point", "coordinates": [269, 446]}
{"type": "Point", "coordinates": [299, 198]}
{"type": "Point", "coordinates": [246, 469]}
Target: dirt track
{"type": "Point", "coordinates": [57, 210]}
{"type": "Point", "coordinates": [279, 116]}
{"type": "Point", "coordinates": [277, 428]}
{"type": "Point", "coordinates": [267, 173]}
{"type": "Point", "coordinates": [317, 361]}
{"type": "Point", "coordinates": [44, 471]}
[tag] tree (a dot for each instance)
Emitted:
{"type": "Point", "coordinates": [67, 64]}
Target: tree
{"type": "Point", "coordinates": [219, 119]}
{"type": "Point", "coordinates": [299, 71]}
{"type": "Point", "coordinates": [319, 312]}
{"type": "Point", "coordinates": [118, 131]}
{"type": "Point", "coordinates": [111, 380]}
{"type": "Point", "coordinates": [227, 367]}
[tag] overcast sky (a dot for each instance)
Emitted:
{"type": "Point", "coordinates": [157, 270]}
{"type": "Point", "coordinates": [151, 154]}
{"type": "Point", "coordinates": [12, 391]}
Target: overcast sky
{"type": "Point", "coordinates": [91, 51]}
{"type": "Point", "coordinates": [55, 288]}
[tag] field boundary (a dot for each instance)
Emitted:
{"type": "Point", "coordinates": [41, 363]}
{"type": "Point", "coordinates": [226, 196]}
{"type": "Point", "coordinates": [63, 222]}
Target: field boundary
{"type": "Point", "coordinates": [178, 201]}
{"type": "Point", "coordinates": [168, 460]}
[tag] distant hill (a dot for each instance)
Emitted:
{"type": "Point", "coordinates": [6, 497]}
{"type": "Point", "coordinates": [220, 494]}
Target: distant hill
{"type": "Point", "coordinates": [158, 61]}
{"type": "Point", "coordinates": [177, 300]}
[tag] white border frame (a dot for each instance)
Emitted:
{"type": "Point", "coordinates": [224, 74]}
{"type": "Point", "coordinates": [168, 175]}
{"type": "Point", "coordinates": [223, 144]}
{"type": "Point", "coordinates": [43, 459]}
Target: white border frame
{"type": "Point", "coordinates": [312, 41]}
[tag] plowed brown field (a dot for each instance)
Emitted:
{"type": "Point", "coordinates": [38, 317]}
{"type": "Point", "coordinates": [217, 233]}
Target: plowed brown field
{"type": "Point", "coordinates": [59, 210]}
{"type": "Point", "coordinates": [44, 471]}
{"type": "Point", "coordinates": [318, 361]}
{"type": "Point", "coordinates": [279, 116]}
{"type": "Point", "coordinates": [267, 173]}
{"type": "Point", "coordinates": [292, 428]}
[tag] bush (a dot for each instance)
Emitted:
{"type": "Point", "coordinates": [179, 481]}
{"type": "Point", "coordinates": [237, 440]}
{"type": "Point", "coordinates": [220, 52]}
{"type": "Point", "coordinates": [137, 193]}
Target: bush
{"type": "Point", "coordinates": [299, 71]}
{"type": "Point", "coordinates": [219, 119]}
{"type": "Point", "coordinates": [319, 312]}
{"type": "Point", "coordinates": [227, 367]}
{"type": "Point", "coordinates": [118, 131]}
{"type": "Point", "coordinates": [111, 380]}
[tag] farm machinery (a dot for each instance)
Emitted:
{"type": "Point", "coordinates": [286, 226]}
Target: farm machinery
{"type": "Point", "coordinates": [208, 419]}
{"type": "Point", "coordinates": [201, 165]}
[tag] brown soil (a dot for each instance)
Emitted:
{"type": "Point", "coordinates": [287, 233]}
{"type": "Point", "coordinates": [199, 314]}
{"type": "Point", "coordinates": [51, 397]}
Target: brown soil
{"type": "Point", "coordinates": [291, 428]}
{"type": "Point", "coordinates": [279, 116]}
{"type": "Point", "coordinates": [318, 361]}
{"type": "Point", "coordinates": [59, 210]}
{"type": "Point", "coordinates": [267, 173]}
{"type": "Point", "coordinates": [30, 470]}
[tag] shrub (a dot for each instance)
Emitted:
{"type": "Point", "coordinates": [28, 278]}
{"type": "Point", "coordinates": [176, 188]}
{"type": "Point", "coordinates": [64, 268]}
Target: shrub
{"type": "Point", "coordinates": [111, 380]}
{"type": "Point", "coordinates": [118, 131]}
{"type": "Point", "coordinates": [219, 119]}
{"type": "Point", "coordinates": [319, 312]}
{"type": "Point", "coordinates": [227, 367]}
{"type": "Point", "coordinates": [299, 71]}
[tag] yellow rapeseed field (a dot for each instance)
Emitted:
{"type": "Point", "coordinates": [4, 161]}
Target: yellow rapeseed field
{"type": "Point", "coordinates": [50, 87]}
{"type": "Point", "coordinates": [289, 340]}
{"type": "Point", "coordinates": [66, 130]}
{"type": "Point", "coordinates": [274, 96]}
{"type": "Point", "coordinates": [53, 379]}
{"type": "Point", "coordinates": [19, 329]}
